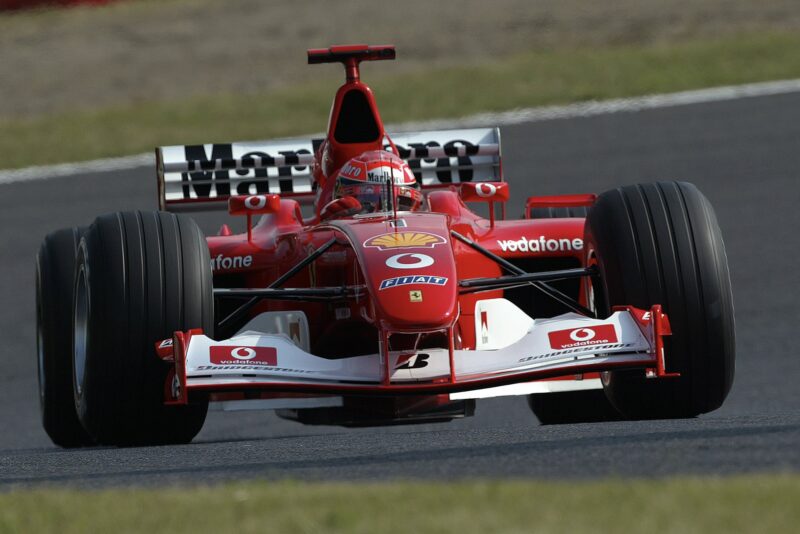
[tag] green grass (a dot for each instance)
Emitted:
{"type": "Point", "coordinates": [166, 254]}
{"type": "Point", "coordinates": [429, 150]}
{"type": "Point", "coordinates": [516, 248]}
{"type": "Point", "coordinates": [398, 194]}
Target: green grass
{"type": "Point", "coordinates": [737, 504]}
{"type": "Point", "coordinates": [530, 79]}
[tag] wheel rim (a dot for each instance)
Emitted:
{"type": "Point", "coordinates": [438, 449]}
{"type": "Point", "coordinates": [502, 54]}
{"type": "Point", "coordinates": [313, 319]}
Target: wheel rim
{"type": "Point", "coordinates": [80, 333]}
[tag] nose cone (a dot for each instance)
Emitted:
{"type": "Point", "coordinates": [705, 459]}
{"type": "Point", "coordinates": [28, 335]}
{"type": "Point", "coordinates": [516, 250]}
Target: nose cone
{"type": "Point", "coordinates": [414, 287]}
{"type": "Point", "coordinates": [410, 270]}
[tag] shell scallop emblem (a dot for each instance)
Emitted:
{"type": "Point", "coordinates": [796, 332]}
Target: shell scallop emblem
{"type": "Point", "coordinates": [405, 240]}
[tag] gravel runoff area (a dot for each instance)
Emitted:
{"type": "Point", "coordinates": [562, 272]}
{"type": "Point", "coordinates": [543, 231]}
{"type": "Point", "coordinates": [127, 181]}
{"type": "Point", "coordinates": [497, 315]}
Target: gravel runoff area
{"type": "Point", "coordinates": [139, 50]}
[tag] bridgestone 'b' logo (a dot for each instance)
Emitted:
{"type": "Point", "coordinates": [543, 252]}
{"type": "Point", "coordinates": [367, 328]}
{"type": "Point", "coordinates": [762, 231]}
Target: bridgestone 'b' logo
{"type": "Point", "coordinates": [583, 337]}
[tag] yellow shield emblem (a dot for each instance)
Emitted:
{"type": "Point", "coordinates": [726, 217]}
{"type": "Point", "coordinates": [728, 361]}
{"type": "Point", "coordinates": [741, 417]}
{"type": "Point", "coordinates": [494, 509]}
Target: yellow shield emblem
{"type": "Point", "coordinates": [405, 240]}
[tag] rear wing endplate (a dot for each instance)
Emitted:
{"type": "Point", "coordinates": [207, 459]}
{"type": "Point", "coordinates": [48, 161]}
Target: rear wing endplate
{"type": "Point", "coordinates": [203, 177]}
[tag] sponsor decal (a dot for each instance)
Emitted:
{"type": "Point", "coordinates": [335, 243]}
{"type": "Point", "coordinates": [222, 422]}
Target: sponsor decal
{"type": "Point", "coordinates": [485, 190]}
{"type": "Point", "coordinates": [405, 240]}
{"type": "Point", "coordinates": [221, 263]}
{"type": "Point", "coordinates": [342, 313]}
{"type": "Point", "coordinates": [384, 173]}
{"type": "Point", "coordinates": [255, 202]}
{"type": "Point", "coordinates": [408, 260]}
{"type": "Point", "coordinates": [541, 244]}
{"type": "Point", "coordinates": [166, 343]}
{"type": "Point", "coordinates": [398, 223]}
{"type": "Point", "coordinates": [567, 352]}
{"type": "Point", "coordinates": [415, 295]}
{"type": "Point", "coordinates": [583, 337]}
{"type": "Point", "coordinates": [412, 361]}
{"type": "Point", "coordinates": [202, 181]}
{"type": "Point", "coordinates": [484, 327]}
{"type": "Point", "coordinates": [251, 356]}
{"type": "Point", "coordinates": [253, 368]}
{"type": "Point", "coordinates": [352, 171]}
{"type": "Point", "coordinates": [413, 279]}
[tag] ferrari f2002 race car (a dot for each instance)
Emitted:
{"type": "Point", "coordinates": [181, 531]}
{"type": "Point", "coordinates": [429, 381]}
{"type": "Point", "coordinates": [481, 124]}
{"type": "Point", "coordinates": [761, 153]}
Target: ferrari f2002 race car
{"type": "Point", "coordinates": [389, 302]}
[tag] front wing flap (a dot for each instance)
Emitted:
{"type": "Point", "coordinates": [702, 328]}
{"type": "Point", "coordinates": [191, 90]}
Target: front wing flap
{"type": "Point", "coordinates": [564, 345]}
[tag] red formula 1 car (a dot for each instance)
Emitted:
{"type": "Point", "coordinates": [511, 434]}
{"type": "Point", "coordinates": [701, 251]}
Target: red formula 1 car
{"type": "Point", "coordinates": [391, 302]}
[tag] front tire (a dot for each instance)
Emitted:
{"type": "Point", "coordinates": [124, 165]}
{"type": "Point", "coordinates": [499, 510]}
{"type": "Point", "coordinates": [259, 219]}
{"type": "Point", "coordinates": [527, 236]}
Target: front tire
{"type": "Point", "coordinates": [140, 276]}
{"type": "Point", "coordinates": [660, 243]}
{"type": "Point", "coordinates": [568, 407]}
{"type": "Point", "coordinates": [55, 272]}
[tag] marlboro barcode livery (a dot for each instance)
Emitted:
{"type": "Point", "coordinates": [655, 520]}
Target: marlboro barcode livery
{"type": "Point", "coordinates": [388, 300]}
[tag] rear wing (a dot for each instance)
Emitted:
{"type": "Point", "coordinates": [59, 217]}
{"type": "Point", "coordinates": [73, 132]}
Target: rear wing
{"type": "Point", "coordinates": [203, 177]}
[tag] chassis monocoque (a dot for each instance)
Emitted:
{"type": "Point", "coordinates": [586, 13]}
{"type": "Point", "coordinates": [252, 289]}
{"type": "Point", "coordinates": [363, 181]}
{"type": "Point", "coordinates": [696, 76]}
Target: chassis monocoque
{"type": "Point", "coordinates": [597, 307]}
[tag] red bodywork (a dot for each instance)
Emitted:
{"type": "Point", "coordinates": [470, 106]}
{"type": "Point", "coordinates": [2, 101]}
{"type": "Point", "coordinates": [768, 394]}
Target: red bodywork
{"type": "Point", "coordinates": [369, 251]}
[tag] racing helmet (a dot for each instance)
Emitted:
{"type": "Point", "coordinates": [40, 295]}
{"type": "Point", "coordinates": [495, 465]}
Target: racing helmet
{"type": "Point", "coordinates": [377, 178]}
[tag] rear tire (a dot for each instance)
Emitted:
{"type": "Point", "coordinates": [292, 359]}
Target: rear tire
{"type": "Point", "coordinates": [55, 274]}
{"type": "Point", "coordinates": [660, 243]}
{"type": "Point", "coordinates": [140, 276]}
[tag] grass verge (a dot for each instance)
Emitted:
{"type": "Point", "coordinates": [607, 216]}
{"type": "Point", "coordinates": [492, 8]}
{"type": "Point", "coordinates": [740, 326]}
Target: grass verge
{"type": "Point", "coordinates": [738, 504]}
{"type": "Point", "coordinates": [530, 79]}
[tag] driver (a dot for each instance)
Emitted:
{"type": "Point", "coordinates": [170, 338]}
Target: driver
{"type": "Point", "coordinates": [367, 178]}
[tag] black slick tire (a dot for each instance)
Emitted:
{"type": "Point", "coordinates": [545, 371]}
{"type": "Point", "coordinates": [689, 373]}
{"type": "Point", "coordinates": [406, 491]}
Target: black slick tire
{"type": "Point", "coordinates": [140, 276]}
{"type": "Point", "coordinates": [568, 407]}
{"type": "Point", "coordinates": [659, 243]}
{"type": "Point", "coordinates": [55, 274]}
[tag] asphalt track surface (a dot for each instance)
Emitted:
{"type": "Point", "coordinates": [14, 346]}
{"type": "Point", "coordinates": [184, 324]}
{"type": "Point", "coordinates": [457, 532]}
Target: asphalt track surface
{"type": "Point", "coordinates": [744, 154]}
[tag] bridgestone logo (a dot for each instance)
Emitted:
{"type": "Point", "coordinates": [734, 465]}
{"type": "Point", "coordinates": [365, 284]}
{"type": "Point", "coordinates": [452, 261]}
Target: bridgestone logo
{"type": "Point", "coordinates": [568, 352]}
{"type": "Point", "coordinates": [542, 244]}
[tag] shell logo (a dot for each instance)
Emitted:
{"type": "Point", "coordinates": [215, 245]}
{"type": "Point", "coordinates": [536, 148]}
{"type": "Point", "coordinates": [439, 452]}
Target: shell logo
{"type": "Point", "coordinates": [405, 240]}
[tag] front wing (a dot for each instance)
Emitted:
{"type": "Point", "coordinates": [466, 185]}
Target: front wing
{"type": "Point", "coordinates": [273, 364]}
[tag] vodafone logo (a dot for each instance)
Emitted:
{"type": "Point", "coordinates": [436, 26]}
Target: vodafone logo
{"type": "Point", "coordinates": [258, 356]}
{"type": "Point", "coordinates": [221, 263]}
{"type": "Point", "coordinates": [409, 261]}
{"type": "Point", "coordinates": [582, 334]}
{"type": "Point", "coordinates": [583, 337]}
{"type": "Point", "coordinates": [485, 190]}
{"type": "Point", "coordinates": [540, 244]}
{"type": "Point", "coordinates": [255, 202]}
{"type": "Point", "coordinates": [243, 353]}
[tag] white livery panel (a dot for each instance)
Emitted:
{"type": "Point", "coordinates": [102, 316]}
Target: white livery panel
{"type": "Point", "coordinates": [563, 342]}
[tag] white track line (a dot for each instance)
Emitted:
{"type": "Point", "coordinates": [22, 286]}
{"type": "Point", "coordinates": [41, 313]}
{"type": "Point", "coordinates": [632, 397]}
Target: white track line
{"type": "Point", "coordinates": [72, 169]}
{"type": "Point", "coordinates": [517, 116]}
